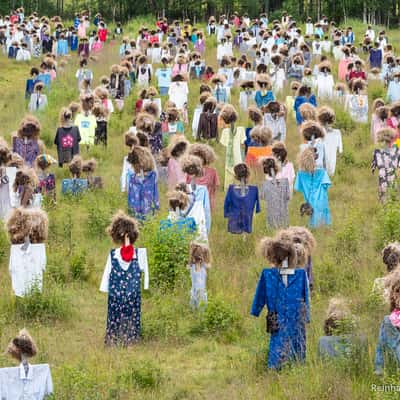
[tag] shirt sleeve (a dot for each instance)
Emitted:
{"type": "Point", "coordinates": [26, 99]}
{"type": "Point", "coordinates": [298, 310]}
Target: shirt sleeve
{"type": "Point", "coordinates": [106, 276]}
{"type": "Point", "coordinates": [49, 383]}
{"type": "Point", "coordinates": [144, 266]}
{"type": "Point", "coordinates": [260, 297]}
{"type": "Point", "coordinates": [258, 209]}
{"type": "Point", "coordinates": [225, 137]}
{"type": "Point", "coordinates": [340, 142]}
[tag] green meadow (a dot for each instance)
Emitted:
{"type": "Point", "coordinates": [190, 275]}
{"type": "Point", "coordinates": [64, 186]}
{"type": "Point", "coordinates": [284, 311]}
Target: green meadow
{"type": "Point", "coordinates": [219, 353]}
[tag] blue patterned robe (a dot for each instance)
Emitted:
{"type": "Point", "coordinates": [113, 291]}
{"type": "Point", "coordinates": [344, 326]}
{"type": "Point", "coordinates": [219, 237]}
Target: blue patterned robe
{"type": "Point", "coordinates": [292, 306]}
{"type": "Point", "coordinates": [143, 198]}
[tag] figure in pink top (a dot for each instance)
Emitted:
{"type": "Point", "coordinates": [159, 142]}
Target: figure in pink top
{"type": "Point", "coordinates": [210, 177]}
{"type": "Point", "coordinates": [181, 66]}
{"type": "Point", "coordinates": [175, 173]}
{"type": "Point", "coordinates": [82, 29]}
{"type": "Point", "coordinates": [279, 151]}
{"type": "Point", "coordinates": [394, 120]}
{"type": "Point", "coordinates": [343, 63]}
{"type": "Point", "coordinates": [379, 118]}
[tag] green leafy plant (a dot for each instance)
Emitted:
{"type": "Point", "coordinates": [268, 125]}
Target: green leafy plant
{"type": "Point", "coordinates": [144, 375]}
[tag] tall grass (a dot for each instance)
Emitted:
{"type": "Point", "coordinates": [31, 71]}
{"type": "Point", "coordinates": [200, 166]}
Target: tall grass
{"type": "Point", "coordinates": [219, 353]}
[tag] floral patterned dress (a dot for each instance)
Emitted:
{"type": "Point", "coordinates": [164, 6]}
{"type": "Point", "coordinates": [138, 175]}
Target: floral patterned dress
{"type": "Point", "coordinates": [143, 196]}
{"type": "Point", "coordinates": [124, 303]}
{"type": "Point", "coordinates": [387, 162]}
{"type": "Point", "coordinates": [28, 149]}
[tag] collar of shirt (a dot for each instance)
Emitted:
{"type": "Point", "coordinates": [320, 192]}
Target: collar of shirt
{"type": "Point", "coordinates": [22, 374]}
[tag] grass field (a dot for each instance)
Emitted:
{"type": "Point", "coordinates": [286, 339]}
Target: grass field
{"type": "Point", "coordinates": [183, 355]}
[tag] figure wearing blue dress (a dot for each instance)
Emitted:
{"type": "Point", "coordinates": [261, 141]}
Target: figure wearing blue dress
{"type": "Point", "coordinates": [291, 303]}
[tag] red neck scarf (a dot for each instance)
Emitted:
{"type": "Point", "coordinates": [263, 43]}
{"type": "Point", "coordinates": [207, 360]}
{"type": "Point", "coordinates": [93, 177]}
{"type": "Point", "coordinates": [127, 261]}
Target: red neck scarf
{"type": "Point", "coordinates": [127, 253]}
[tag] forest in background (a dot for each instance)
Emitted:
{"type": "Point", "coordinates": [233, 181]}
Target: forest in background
{"type": "Point", "coordinates": [384, 12]}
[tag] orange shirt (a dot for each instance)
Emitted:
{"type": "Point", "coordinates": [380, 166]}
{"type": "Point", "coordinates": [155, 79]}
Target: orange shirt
{"type": "Point", "coordinates": [254, 153]}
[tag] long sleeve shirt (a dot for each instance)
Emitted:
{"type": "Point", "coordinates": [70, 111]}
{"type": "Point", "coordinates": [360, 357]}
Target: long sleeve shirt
{"type": "Point", "coordinates": [141, 255]}
{"type": "Point", "coordinates": [15, 383]}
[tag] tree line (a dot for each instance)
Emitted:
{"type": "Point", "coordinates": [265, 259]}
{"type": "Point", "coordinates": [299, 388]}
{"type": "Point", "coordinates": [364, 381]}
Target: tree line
{"type": "Point", "coordinates": [385, 12]}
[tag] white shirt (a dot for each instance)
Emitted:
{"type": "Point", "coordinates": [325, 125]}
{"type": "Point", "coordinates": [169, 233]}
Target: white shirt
{"type": "Point", "coordinates": [337, 53]}
{"type": "Point", "coordinates": [178, 92]}
{"type": "Point", "coordinates": [196, 118]}
{"type": "Point", "coordinates": [325, 85]}
{"type": "Point", "coordinates": [26, 267]}
{"type": "Point", "coordinates": [23, 55]}
{"type": "Point", "coordinates": [16, 385]}
{"type": "Point", "coordinates": [333, 144]}
{"type": "Point", "coordinates": [126, 169]}
{"type": "Point", "coordinates": [371, 34]}
{"type": "Point", "coordinates": [326, 46]}
{"type": "Point", "coordinates": [143, 265]}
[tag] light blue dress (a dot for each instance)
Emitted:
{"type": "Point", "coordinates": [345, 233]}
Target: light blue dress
{"type": "Point", "coordinates": [198, 293]}
{"type": "Point", "coordinates": [393, 91]}
{"type": "Point", "coordinates": [314, 187]}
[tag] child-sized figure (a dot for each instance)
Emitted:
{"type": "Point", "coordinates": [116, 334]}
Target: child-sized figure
{"type": "Point", "coordinates": [86, 121]}
{"type": "Point", "coordinates": [47, 181]}
{"type": "Point", "coordinates": [387, 161]}
{"type": "Point", "coordinates": [143, 199]}
{"type": "Point", "coordinates": [333, 138]}
{"type": "Point", "coordinates": [313, 183]}
{"type": "Point", "coordinates": [76, 185]}
{"type": "Point", "coordinates": [25, 183]}
{"type": "Point", "coordinates": [209, 176]}
{"type": "Point", "coordinates": [89, 168]}
{"type": "Point", "coordinates": [241, 201]}
{"type": "Point", "coordinates": [232, 138]}
{"type": "Point", "coordinates": [199, 260]}
{"type": "Point", "coordinates": [261, 142]}
{"type": "Point", "coordinates": [26, 140]}
{"type": "Point", "coordinates": [276, 193]}
{"type": "Point", "coordinates": [122, 281]}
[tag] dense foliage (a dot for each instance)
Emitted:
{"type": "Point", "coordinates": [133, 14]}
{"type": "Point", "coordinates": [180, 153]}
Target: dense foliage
{"type": "Point", "coordinates": [385, 12]}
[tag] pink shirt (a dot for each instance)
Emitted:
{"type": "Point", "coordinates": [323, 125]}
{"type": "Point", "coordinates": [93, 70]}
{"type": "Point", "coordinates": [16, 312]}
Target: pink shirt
{"type": "Point", "coordinates": [175, 173]}
{"type": "Point", "coordinates": [179, 69]}
{"type": "Point", "coordinates": [376, 125]}
{"type": "Point", "coordinates": [210, 179]}
{"type": "Point", "coordinates": [81, 30]}
{"type": "Point", "coordinates": [287, 171]}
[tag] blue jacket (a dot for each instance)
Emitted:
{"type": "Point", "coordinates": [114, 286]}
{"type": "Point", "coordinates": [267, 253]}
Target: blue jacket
{"type": "Point", "coordinates": [292, 306]}
{"type": "Point", "coordinates": [263, 100]}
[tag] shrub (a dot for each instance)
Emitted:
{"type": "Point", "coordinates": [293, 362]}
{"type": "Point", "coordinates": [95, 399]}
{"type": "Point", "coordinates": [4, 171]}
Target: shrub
{"type": "Point", "coordinates": [347, 240]}
{"type": "Point", "coordinates": [161, 321]}
{"type": "Point", "coordinates": [56, 271]}
{"type": "Point", "coordinates": [79, 382]}
{"type": "Point", "coordinates": [78, 266]}
{"type": "Point", "coordinates": [98, 219]}
{"type": "Point", "coordinates": [219, 317]}
{"type": "Point", "coordinates": [169, 256]}
{"type": "Point", "coordinates": [141, 375]}
{"type": "Point", "coordinates": [50, 305]}
{"type": "Point", "coordinates": [344, 121]}
{"type": "Point", "coordinates": [388, 229]}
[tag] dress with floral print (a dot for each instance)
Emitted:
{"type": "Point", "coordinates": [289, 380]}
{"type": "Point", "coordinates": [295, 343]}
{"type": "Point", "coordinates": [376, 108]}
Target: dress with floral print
{"type": "Point", "coordinates": [124, 303]}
